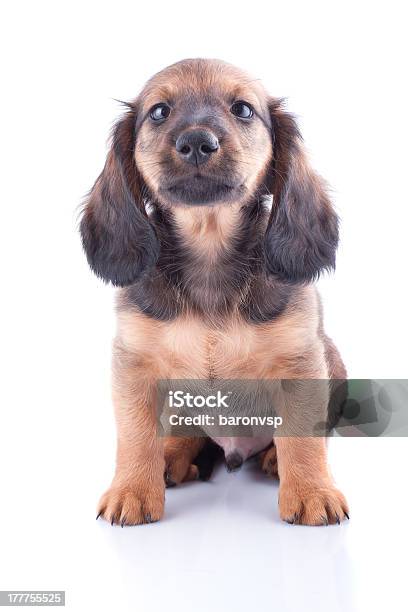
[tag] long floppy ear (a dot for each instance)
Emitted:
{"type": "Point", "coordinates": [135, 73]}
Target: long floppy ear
{"type": "Point", "coordinates": [117, 237]}
{"type": "Point", "coordinates": [302, 234]}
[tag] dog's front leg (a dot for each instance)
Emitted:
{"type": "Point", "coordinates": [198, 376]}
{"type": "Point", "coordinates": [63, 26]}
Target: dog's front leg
{"type": "Point", "coordinates": [307, 494]}
{"type": "Point", "coordinates": [136, 494]}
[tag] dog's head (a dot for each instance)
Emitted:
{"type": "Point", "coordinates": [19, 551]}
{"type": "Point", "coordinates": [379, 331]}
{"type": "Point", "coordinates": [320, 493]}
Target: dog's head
{"type": "Point", "coordinates": [203, 133]}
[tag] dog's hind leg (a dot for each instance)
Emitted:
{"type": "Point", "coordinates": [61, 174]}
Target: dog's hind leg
{"type": "Point", "coordinates": [179, 456]}
{"type": "Point", "coordinates": [269, 461]}
{"type": "Point", "coordinates": [189, 459]}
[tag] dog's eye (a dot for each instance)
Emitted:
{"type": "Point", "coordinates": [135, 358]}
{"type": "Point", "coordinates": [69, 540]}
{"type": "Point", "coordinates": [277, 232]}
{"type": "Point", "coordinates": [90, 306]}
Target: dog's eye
{"type": "Point", "coordinates": [242, 110]}
{"type": "Point", "coordinates": [160, 112]}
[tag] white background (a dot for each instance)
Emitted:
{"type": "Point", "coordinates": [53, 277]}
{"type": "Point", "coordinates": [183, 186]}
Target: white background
{"type": "Point", "coordinates": [221, 545]}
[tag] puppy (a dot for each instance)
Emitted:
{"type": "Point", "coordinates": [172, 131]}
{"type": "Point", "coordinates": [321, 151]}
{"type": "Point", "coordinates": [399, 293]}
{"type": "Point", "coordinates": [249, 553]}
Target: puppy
{"type": "Point", "coordinates": [213, 283]}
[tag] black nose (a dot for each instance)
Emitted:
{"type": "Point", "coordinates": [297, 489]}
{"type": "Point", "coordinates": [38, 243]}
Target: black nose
{"type": "Point", "coordinates": [196, 146]}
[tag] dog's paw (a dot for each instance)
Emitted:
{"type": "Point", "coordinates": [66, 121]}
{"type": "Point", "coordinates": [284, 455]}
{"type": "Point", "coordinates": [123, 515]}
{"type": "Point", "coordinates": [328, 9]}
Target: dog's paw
{"type": "Point", "coordinates": [312, 506]}
{"type": "Point", "coordinates": [130, 505]}
{"type": "Point", "coordinates": [179, 469]}
{"type": "Point", "coordinates": [269, 461]}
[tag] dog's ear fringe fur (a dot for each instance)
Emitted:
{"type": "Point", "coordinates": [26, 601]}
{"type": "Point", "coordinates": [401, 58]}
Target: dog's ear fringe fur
{"type": "Point", "coordinates": [119, 242]}
{"type": "Point", "coordinates": [302, 234]}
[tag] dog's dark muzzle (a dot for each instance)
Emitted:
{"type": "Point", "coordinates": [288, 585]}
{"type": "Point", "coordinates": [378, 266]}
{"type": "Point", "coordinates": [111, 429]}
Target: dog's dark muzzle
{"type": "Point", "coordinates": [198, 189]}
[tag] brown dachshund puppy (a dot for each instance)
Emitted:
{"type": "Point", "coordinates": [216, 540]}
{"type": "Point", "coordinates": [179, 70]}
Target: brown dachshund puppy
{"type": "Point", "coordinates": [214, 282]}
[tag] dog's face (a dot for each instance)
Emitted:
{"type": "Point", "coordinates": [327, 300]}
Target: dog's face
{"type": "Point", "coordinates": [203, 134]}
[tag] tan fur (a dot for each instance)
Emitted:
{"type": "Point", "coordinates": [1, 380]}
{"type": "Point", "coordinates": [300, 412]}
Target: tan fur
{"type": "Point", "coordinates": [183, 348]}
{"type": "Point", "coordinates": [149, 350]}
{"type": "Point", "coordinates": [307, 494]}
{"type": "Point", "coordinates": [136, 494]}
{"type": "Point", "coordinates": [179, 456]}
{"type": "Point", "coordinates": [206, 232]}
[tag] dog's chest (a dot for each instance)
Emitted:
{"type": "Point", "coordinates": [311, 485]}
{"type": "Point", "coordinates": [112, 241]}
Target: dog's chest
{"type": "Point", "coordinates": [197, 351]}
{"type": "Point", "coordinates": [192, 349]}
{"type": "Point", "coordinates": [187, 347]}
